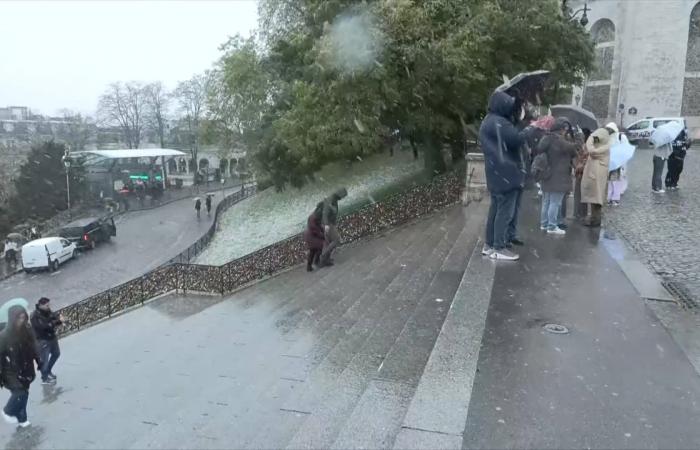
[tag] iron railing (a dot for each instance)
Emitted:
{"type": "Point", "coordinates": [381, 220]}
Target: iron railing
{"type": "Point", "coordinates": [180, 275]}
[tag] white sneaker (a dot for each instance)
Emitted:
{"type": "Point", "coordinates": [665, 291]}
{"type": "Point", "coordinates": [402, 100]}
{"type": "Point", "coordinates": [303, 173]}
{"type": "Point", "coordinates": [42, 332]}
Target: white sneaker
{"type": "Point", "coordinates": [486, 250]}
{"type": "Point", "coordinates": [557, 230]}
{"type": "Point", "coordinates": [543, 228]}
{"type": "Point", "coordinates": [9, 419]}
{"type": "Point", "coordinates": [24, 424]}
{"type": "Point", "coordinates": [658, 191]}
{"type": "Point", "coordinates": [504, 255]}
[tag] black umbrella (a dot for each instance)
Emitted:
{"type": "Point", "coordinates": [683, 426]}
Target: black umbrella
{"type": "Point", "coordinates": [576, 115]}
{"type": "Point", "coordinates": [527, 85]}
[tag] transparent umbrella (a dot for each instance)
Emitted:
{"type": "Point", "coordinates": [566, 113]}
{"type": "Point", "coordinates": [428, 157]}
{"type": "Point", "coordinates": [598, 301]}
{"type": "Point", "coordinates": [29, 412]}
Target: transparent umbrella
{"type": "Point", "coordinates": [665, 134]}
{"type": "Point", "coordinates": [620, 152]}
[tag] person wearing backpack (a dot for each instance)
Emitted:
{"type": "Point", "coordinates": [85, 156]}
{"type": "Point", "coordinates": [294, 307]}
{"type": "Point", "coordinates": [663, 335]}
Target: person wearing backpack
{"type": "Point", "coordinates": [554, 160]}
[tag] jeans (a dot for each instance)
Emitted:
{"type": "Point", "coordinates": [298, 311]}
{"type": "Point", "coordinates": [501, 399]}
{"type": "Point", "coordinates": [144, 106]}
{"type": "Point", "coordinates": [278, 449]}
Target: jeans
{"type": "Point", "coordinates": [657, 180]}
{"type": "Point", "coordinates": [500, 216]}
{"type": "Point", "coordinates": [332, 241]}
{"type": "Point", "coordinates": [675, 167]}
{"type": "Point", "coordinates": [550, 215]}
{"type": "Point", "coordinates": [17, 404]}
{"type": "Point", "coordinates": [513, 224]}
{"type": "Point", "coordinates": [48, 353]}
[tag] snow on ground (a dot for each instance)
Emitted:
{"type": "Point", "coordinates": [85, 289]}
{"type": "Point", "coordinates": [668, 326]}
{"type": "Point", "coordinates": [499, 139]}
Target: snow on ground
{"type": "Point", "coordinates": [271, 216]}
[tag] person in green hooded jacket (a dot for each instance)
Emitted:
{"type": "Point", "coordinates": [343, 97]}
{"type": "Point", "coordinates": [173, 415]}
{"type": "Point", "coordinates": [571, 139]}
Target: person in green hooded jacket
{"type": "Point", "coordinates": [329, 220]}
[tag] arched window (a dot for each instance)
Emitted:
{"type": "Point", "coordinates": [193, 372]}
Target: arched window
{"type": "Point", "coordinates": [691, 81]}
{"type": "Point", "coordinates": [596, 97]}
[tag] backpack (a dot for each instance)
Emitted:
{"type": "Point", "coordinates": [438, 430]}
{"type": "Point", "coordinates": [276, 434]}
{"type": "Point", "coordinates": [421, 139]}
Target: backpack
{"type": "Point", "coordinates": [541, 170]}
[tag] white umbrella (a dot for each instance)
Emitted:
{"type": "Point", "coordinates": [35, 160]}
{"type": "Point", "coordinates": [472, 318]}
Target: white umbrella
{"type": "Point", "coordinates": [665, 134]}
{"type": "Point", "coordinates": [620, 152]}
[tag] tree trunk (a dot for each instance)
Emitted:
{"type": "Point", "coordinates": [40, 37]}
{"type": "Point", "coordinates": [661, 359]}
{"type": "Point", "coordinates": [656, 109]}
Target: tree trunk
{"type": "Point", "coordinates": [433, 156]}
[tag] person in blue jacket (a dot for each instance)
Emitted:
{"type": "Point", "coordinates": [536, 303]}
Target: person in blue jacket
{"type": "Point", "coordinates": [505, 171]}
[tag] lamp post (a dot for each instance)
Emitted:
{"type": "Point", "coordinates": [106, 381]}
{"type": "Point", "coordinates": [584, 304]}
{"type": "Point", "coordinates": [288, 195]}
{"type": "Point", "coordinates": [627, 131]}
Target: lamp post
{"type": "Point", "coordinates": [66, 163]}
{"type": "Point", "coordinates": [572, 15]}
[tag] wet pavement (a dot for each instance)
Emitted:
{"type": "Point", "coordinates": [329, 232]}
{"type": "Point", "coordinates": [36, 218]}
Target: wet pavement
{"type": "Point", "coordinates": [412, 340]}
{"type": "Point", "coordinates": [300, 360]}
{"type": "Point", "coordinates": [662, 228]}
{"type": "Point", "coordinates": [145, 240]}
{"type": "Point", "coordinates": [616, 380]}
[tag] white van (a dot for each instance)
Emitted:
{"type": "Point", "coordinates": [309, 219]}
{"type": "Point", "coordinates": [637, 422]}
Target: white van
{"type": "Point", "coordinates": [46, 253]}
{"type": "Point", "coordinates": [640, 131]}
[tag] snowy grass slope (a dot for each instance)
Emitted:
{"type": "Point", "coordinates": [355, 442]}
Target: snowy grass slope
{"type": "Point", "coordinates": [272, 216]}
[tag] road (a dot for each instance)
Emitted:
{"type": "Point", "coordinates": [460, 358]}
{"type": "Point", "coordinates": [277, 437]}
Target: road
{"type": "Point", "coordinates": [145, 239]}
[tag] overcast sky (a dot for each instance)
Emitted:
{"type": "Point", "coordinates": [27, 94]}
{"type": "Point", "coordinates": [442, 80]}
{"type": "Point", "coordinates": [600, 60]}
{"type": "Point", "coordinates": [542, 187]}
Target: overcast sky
{"type": "Point", "coordinates": [61, 54]}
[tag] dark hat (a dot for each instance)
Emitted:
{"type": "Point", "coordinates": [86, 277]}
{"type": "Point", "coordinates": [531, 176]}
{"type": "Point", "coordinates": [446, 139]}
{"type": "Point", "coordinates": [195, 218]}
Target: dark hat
{"type": "Point", "coordinates": [43, 301]}
{"type": "Point", "coordinates": [561, 123]}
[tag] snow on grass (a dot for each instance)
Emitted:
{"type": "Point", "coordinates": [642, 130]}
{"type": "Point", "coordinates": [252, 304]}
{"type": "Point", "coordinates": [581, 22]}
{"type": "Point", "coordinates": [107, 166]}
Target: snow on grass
{"type": "Point", "coordinates": [271, 216]}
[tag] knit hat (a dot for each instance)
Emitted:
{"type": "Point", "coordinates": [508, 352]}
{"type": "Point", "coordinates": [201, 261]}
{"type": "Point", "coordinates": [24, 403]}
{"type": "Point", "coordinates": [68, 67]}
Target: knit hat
{"type": "Point", "coordinates": [43, 301]}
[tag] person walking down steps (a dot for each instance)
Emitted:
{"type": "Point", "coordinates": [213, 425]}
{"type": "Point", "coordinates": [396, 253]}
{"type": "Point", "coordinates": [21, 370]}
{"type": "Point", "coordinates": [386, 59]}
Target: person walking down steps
{"type": "Point", "coordinates": [17, 357]}
{"type": "Point", "coordinates": [44, 323]}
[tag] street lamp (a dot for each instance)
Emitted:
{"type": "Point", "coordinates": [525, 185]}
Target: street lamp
{"type": "Point", "coordinates": [67, 160]}
{"type": "Point", "coordinates": [572, 15]}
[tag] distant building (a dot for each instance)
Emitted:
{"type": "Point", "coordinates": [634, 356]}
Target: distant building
{"type": "Point", "coordinates": [15, 113]}
{"type": "Point", "coordinates": [648, 60]}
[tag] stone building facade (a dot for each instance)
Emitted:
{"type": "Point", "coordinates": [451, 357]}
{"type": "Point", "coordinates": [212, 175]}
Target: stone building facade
{"type": "Point", "coordinates": [648, 59]}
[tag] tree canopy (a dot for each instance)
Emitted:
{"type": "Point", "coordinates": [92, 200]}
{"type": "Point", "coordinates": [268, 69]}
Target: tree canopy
{"type": "Point", "coordinates": [329, 80]}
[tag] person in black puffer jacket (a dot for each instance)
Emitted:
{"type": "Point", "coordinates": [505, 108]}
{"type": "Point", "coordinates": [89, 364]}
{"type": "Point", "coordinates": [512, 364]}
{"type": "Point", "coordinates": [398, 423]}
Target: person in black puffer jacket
{"type": "Point", "coordinates": [675, 162]}
{"type": "Point", "coordinates": [505, 172]}
{"type": "Point", "coordinates": [17, 356]}
{"type": "Point", "coordinates": [44, 322]}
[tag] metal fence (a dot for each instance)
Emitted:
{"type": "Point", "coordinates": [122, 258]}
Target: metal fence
{"type": "Point", "coordinates": [179, 275]}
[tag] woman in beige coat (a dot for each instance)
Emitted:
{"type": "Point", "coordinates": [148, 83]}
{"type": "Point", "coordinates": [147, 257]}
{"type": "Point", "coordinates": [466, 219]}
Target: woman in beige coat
{"type": "Point", "coordinates": [594, 184]}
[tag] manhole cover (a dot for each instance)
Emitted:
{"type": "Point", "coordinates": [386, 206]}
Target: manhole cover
{"type": "Point", "coordinates": [556, 328]}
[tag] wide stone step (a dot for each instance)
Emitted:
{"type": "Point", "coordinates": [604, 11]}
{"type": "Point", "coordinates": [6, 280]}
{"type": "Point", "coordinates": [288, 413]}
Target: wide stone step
{"type": "Point", "coordinates": [377, 418]}
{"type": "Point", "coordinates": [272, 368]}
{"type": "Point", "coordinates": [282, 423]}
{"type": "Point", "coordinates": [331, 401]}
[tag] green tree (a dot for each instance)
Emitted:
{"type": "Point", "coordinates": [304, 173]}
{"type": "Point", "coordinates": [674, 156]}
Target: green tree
{"type": "Point", "coordinates": [328, 80]}
{"type": "Point", "coordinates": [40, 188]}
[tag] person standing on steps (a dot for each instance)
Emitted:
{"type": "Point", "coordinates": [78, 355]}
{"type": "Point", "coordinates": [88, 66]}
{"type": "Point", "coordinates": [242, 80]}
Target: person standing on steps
{"type": "Point", "coordinates": [500, 143]}
{"type": "Point", "coordinates": [314, 237]}
{"type": "Point", "coordinates": [44, 323]}
{"type": "Point", "coordinates": [17, 356]}
{"type": "Point", "coordinates": [594, 181]}
{"type": "Point", "coordinates": [329, 219]}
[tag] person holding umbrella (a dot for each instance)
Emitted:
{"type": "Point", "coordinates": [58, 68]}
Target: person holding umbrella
{"type": "Point", "coordinates": [661, 138]}
{"type": "Point", "coordinates": [17, 357]}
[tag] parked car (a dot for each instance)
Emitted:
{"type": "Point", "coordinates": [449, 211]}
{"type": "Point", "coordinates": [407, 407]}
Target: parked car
{"type": "Point", "coordinates": [86, 233]}
{"type": "Point", "coordinates": [46, 253]}
{"type": "Point", "coordinates": [640, 131]}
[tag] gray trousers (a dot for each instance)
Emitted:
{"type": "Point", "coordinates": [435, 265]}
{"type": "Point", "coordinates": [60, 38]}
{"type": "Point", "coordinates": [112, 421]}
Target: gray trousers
{"type": "Point", "coordinates": [332, 241]}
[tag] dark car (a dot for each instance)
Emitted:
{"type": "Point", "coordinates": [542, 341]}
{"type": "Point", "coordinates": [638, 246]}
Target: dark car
{"type": "Point", "coordinates": [86, 233]}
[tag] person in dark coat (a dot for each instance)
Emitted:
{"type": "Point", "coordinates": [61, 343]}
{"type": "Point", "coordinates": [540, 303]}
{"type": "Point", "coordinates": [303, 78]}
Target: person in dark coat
{"type": "Point", "coordinates": [560, 153]}
{"type": "Point", "coordinates": [314, 237]}
{"type": "Point", "coordinates": [44, 323]}
{"type": "Point", "coordinates": [505, 175]}
{"type": "Point", "coordinates": [17, 356]}
{"type": "Point", "coordinates": [198, 206]}
{"type": "Point", "coordinates": [329, 219]}
{"type": "Point", "coordinates": [207, 203]}
{"type": "Point", "coordinates": [675, 162]}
